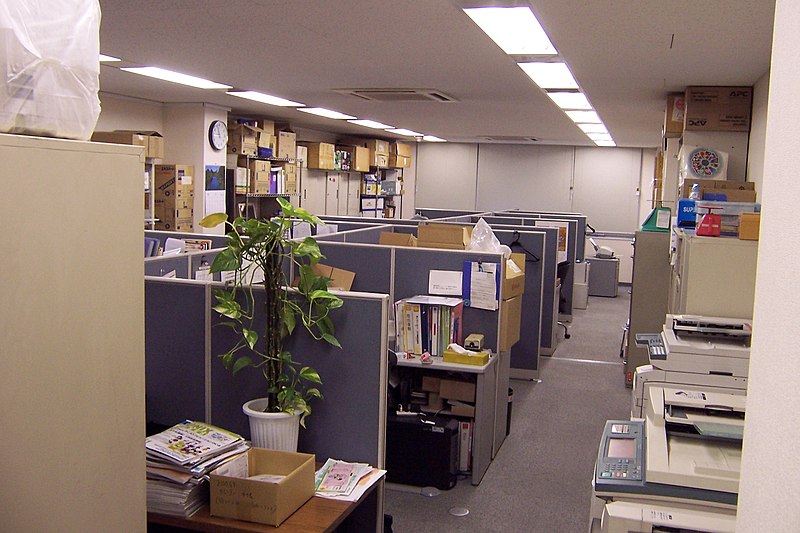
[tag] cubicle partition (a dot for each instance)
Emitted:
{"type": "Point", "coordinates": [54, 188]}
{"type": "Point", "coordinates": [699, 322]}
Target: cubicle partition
{"type": "Point", "coordinates": [185, 378]}
{"type": "Point", "coordinates": [217, 241]}
{"type": "Point", "coordinates": [432, 213]}
{"type": "Point", "coordinates": [184, 265]}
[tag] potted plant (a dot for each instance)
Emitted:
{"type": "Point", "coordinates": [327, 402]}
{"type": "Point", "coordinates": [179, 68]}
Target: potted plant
{"type": "Point", "coordinates": [257, 252]}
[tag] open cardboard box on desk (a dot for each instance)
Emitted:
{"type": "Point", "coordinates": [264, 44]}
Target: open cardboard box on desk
{"type": "Point", "coordinates": [235, 494]}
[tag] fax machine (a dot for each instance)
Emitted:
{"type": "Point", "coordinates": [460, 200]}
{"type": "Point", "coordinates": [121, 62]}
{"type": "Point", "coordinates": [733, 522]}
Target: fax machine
{"type": "Point", "coordinates": [678, 468]}
{"type": "Point", "coordinates": [705, 354]}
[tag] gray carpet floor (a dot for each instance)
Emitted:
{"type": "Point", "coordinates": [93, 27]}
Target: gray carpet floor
{"type": "Point", "coordinates": [540, 481]}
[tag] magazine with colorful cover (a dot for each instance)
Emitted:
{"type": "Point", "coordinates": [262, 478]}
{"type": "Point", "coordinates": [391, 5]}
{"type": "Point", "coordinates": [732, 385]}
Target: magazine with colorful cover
{"type": "Point", "coordinates": [189, 443]}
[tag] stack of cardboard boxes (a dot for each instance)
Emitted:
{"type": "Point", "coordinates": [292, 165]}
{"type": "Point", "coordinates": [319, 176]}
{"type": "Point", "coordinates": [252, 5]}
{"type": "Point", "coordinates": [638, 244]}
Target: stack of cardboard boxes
{"type": "Point", "coordinates": [152, 141]}
{"type": "Point", "coordinates": [378, 153]}
{"type": "Point", "coordinates": [174, 200]}
{"type": "Point", "coordinates": [399, 155]}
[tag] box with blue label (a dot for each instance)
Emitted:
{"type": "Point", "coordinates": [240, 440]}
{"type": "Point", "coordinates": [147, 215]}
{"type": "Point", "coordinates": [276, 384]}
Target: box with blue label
{"type": "Point", "coordinates": [686, 216]}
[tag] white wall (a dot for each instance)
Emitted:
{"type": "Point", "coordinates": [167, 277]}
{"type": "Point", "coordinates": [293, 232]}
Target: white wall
{"type": "Point", "coordinates": [646, 185]}
{"type": "Point", "coordinates": [599, 182]}
{"type": "Point", "coordinates": [770, 476]}
{"type": "Point", "coordinates": [758, 132]}
{"type": "Point", "coordinates": [120, 113]}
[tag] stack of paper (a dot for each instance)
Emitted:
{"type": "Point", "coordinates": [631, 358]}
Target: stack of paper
{"type": "Point", "coordinates": [341, 480]}
{"type": "Point", "coordinates": [178, 461]}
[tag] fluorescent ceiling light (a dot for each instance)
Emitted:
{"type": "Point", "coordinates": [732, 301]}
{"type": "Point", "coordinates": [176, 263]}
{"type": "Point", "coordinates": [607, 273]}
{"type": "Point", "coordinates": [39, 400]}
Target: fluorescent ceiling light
{"type": "Point", "coordinates": [433, 139]}
{"type": "Point", "coordinates": [584, 117]}
{"type": "Point", "coordinates": [550, 75]}
{"type": "Point", "coordinates": [605, 143]}
{"type": "Point", "coordinates": [327, 113]}
{"type": "Point", "coordinates": [175, 77]}
{"type": "Point", "coordinates": [600, 137]}
{"type": "Point", "coordinates": [514, 29]}
{"type": "Point", "coordinates": [593, 128]}
{"type": "Point", "coordinates": [407, 133]}
{"type": "Point", "coordinates": [265, 98]}
{"type": "Point", "coordinates": [108, 59]}
{"type": "Point", "coordinates": [370, 124]}
{"type": "Point", "coordinates": [570, 100]}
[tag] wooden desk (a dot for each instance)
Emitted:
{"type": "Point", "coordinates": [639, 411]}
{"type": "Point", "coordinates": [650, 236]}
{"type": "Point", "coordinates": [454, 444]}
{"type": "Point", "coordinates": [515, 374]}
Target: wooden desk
{"type": "Point", "coordinates": [318, 515]}
{"type": "Point", "coordinates": [485, 406]}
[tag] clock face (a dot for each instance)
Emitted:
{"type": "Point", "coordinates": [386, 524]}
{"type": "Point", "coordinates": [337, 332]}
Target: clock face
{"type": "Point", "coordinates": [218, 134]}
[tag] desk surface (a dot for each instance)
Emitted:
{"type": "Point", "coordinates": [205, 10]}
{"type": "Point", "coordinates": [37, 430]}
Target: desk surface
{"type": "Point", "coordinates": [439, 364]}
{"type": "Point", "coordinates": [317, 515]}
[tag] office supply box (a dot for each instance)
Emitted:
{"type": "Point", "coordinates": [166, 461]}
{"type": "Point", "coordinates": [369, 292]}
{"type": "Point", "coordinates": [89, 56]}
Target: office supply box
{"type": "Point", "coordinates": [286, 483]}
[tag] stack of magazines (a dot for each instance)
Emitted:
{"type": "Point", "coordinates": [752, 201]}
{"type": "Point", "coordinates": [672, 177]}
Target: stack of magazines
{"type": "Point", "coordinates": [338, 479]}
{"type": "Point", "coordinates": [178, 462]}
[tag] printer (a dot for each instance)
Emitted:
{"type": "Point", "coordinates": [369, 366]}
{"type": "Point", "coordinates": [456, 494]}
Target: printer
{"type": "Point", "coordinates": [677, 468]}
{"type": "Point", "coordinates": [706, 354]}
{"type": "Point", "coordinates": [601, 252]}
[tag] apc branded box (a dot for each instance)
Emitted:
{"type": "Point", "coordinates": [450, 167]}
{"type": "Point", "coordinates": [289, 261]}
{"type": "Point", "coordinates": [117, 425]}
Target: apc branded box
{"type": "Point", "coordinates": [422, 454]}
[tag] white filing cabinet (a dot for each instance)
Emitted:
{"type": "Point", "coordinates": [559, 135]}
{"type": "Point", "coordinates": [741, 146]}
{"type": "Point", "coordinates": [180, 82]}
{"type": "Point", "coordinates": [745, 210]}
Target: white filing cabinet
{"type": "Point", "coordinates": [712, 276]}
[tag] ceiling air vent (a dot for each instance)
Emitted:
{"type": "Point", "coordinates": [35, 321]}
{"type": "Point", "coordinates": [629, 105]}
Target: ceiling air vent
{"type": "Point", "coordinates": [509, 139]}
{"type": "Point", "coordinates": [399, 95]}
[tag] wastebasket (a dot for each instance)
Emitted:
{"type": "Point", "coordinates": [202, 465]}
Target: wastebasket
{"type": "Point", "coordinates": [510, 402]}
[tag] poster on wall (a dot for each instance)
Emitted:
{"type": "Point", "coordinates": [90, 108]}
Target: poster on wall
{"type": "Point", "coordinates": [215, 190]}
{"type": "Point", "coordinates": [563, 235]}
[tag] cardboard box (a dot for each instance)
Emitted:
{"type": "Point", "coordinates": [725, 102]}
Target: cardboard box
{"type": "Point", "coordinates": [286, 144]}
{"type": "Point", "coordinates": [320, 155]}
{"type": "Point", "coordinates": [340, 279]}
{"type": "Point", "coordinates": [398, 148]}
{"type": "Point", "coordinates": [511, 317]}
{"type": "Point", "coordinates": [378, 146]}
{"type": "Point", "coordinates": [431, 384]}
{"type": "Point", "coordinates": [242, 139]}
{"type": "Point", "coordinates": [451, 389]}
{"type": "Point", "coordinates": [267, 140]}
{"type": "Point", "coordinates": [443, 236]}
{"type": "Point", "coordinates": [155, 145]}
{"type": "Point", "coordinates": [397, 239]}
{"type": "Point", "coordinates": [174, 180]}
{"type": "Point", "coordinates": [256, 165]}
{"type": "Point", "coordinates": [728, 195]}
{"type": "Point", "coordinates": [122, 137]}
{"type": "Point", "coordinates": [399, 161]}
{"type": "Point", "coordinates": [514, 282]}
{"type": "Point", "coordinates": [302, 156]}
{"type": "Point", "coordinates": [674, 115]}
{"type": "Point", "coordinates": [749, 226]}
{"type": "Point", "coordinates": [266, 126]}
{"type": "Point", "coordinates": [718, 108]}
{"type": "Point", "coordinates": [709, 186]}
{"type": "Point", "coordinates": [461, 409]}
{"type": "Point", "coordinates": [359, 157]}
{"type": "Point", "coordinates": [378, 160]}
{"type": "Point", "coordinates": [235, 496]}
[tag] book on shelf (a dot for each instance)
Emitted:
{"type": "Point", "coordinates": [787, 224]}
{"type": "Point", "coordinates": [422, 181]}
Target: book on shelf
{"type": "Point", "coordinates": [428, 324]}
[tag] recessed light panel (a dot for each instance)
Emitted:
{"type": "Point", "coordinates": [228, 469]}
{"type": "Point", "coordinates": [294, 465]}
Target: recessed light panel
{"type": "Point", "coordinates": [605, 143]}
{"type": "Point", "coordinates": [433, 139]}
{"type": "Point", "coordinates": [265, 98]}
{"type": "Point", "coordinates": [593, 128]}
{"type": "Point", "coordinates": [327, 113]}
{"type": "Point", "coordinates": [175, 77]}
{"type": "Point", "coordinates": [108, 59]}
{"type": "Point", "coordinates": [550, 75]}
{"type": "Point", "coordinates": [570, 100]}
{"type": "Point", "coordinates": [584, 117]}
{"type": "Point", "coordinates": [405, 132]}
{"type": "Point", "coordinates": [514, 29]}
{"type": "Point", "coordinates": [370, 124]}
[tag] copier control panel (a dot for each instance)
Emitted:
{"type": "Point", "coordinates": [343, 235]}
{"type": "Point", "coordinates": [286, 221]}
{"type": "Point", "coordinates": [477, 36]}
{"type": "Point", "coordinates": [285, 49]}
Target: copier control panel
{"type": "Point", "coordinates": [620, 459]}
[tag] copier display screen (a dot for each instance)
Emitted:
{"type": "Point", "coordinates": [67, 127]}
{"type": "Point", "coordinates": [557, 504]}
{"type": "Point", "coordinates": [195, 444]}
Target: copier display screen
{"type": "Point", "coordinates": [622, 448]}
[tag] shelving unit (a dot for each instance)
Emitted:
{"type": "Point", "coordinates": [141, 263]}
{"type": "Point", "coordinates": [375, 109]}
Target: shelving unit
{"type": "Point", "coordinates": [260, 205]}
{"type": "Point", "coordinates": [149, 193]}
{"type": "Point", "coordinates": [382, 174]}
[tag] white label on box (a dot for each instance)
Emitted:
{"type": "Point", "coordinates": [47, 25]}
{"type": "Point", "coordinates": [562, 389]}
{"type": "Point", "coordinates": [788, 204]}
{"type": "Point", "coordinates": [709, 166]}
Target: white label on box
{"type": "Point", "coordinates": [511, 265]}
{"type": "Point", "coordinates": [662, 218]}
{"type": "Point", "coordinates": [185, 180]}
{"type": "Point", "coordinates": [444, 282]}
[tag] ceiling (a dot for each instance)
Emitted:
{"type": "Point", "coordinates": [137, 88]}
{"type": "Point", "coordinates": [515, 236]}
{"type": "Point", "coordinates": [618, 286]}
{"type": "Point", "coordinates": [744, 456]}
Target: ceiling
{"type": "Point", "coordinates": [626, 55]}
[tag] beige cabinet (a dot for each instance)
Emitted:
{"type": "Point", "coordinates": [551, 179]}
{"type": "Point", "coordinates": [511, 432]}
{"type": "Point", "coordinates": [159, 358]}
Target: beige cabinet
{"type": "Point", "coordinates": [72, 330]}
{"type": "Point", "coordinates": [712, 276]}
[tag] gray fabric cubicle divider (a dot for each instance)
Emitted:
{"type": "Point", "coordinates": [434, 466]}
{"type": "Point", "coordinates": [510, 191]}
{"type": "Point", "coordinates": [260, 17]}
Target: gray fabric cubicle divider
{"type": "Point", "coordinates": [186, 379]}
{"type": "Point", "coordinates": [175, 350]}
{"type": "Point", "coordinates": [411, 269]}
{"type": "Point", "coordinates": [569, 271]}
{"type": "Point", "coordinates": [549, 280]}
{"type": "Point", "coordinates": [433, 213]}
{"type": "Point", "coordinates": [367, 235]}
{"type": "Point", "coordinates": [372, 264]}
{"type": "Point", "coordinates": [350, 422]}
{"type": "Point", "coordinates": [553, 215]}
{"type": "Point", "coordinates": [496, 220]}
{"type": "Point", "coordinates": [205, 257]}
{"type": "Point", "coordinates": [161, 265]}
{"type": "Point", "coordinates": [525, 353]}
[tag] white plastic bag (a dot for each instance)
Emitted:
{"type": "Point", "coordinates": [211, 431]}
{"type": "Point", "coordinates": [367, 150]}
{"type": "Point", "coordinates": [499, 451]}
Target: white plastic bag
{"type": "Point", "coordinates": [484, 240]}
{"type": "Point", "coordinates": [49, 68]}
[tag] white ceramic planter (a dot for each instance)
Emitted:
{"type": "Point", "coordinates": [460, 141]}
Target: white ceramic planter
{"type": "Point", "coordinates": [276, 431]}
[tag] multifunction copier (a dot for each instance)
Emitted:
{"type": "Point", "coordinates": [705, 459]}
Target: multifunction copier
{"type": "Point", "coordinates": [699, 353]}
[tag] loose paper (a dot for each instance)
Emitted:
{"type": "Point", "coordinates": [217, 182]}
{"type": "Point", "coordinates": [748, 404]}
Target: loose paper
{"type": "Point", "coordinates": [483, 285]}
{"type": "Point", "coordinates": [444, 282]}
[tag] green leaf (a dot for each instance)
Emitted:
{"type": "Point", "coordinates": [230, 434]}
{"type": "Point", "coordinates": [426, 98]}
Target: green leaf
{"type": "Point", "coordinates": [213, 220]}
{"type": "Point", "coordinates": [325, 325]}
{"type": "Point", "coordinates": [314, 393]}
{"type": "Point", "coordinates": [242, 362]}
{"type": "Point", "coordinates": [331, 340]}
{"type": "Point", "coordinates": [289, 320]}
{"type": "Point", "coordinates": [251, 336]}
{"type": "Point", "coordinates": [309, 374]}
{"type": "Point", "coordinates": [226, 260]}
{"type": "Point", "coordinates": [230, 309]}
{"type": "Point", "coordinates": [332, 301]}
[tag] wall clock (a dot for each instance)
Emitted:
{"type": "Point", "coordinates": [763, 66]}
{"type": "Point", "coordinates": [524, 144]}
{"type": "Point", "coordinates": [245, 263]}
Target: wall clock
{"type": "Point", "coordinates": [218, 134]}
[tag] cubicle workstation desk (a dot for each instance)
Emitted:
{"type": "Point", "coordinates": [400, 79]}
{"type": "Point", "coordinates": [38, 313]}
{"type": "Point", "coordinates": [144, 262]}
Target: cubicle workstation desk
{"type": "Point", "coordinates": [317, 515]}
{"type": "Point", "coordinates": [485, 405]}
